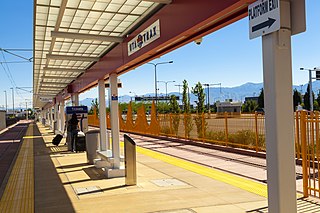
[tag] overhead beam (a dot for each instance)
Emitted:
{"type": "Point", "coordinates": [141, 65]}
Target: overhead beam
{"type": "Point", "coordinates": [72, 58]}
{"type": "Point", "coordinates": [59, 77]}
{"type": "Point", "coordinates": [83, 36]}
{"type": "Point", "coordinates": [63, 69]}
{"type": "Point", "coordinates": [159, 1]}
{"type": "Point", "coordinates": [54, 84]}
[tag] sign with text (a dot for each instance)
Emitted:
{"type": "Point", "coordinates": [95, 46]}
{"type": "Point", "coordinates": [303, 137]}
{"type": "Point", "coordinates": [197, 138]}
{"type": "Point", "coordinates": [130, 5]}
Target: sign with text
{"type": "Point", "coordinates": [147, 36]}
{"type": "Point", "coordinates": [264, 17]}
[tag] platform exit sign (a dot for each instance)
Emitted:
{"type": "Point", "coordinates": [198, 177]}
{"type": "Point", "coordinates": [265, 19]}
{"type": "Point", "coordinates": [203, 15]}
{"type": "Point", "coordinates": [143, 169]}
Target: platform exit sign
{"type": "Point", "coordinates": [264, 17]}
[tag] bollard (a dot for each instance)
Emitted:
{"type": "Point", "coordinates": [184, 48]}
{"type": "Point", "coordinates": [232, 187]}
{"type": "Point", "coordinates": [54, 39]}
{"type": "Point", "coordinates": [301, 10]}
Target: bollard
{"type": "Point", "coordinates": [130, 161]}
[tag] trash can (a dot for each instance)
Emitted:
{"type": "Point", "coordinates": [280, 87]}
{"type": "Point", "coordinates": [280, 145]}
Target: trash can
{"type": "Point", "coordinates": [92, 144]}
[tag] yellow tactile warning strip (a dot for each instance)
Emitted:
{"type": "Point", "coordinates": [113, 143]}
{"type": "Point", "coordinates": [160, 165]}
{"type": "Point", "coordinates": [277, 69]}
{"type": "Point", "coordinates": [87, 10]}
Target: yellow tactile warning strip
{"type": "Point", "coordinates": [242, 183]}
{"type": "Point", "coordinates": [19, 192]}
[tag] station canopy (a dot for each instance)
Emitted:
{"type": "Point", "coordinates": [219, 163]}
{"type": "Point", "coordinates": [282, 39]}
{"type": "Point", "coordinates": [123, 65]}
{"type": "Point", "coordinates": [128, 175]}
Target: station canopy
{"type": "Point", "coordinates": [72, 35]}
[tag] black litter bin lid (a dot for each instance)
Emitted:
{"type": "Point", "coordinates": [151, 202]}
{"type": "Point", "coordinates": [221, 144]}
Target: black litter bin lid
{"type": "Point", "coordinates": [94, 131]}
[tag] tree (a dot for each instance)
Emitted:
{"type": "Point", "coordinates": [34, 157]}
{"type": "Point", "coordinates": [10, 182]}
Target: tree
{"type": "Point", "coordinates": [188, 125]}
{"type": "Point", "coordinates": [200, 122]}
{"type": "Point", "coordinates": [94, 105]}
{"type": "Point", "coordinates": [185, 97]}
{"type": "Point", "coordinates": [306, 99]}
{"type": "Point", "coordinates": [261, 99]}
{"type": "Point", "coordinates": [249, 106]}
{"type": "Point", "coordinates": [174, 108]}
{"type": "Point", "coordinates": [174, 105]}
{"type": "Point", "coordinates": [297, 98]}
{"type": "Point", "coordinates": [199, 92]}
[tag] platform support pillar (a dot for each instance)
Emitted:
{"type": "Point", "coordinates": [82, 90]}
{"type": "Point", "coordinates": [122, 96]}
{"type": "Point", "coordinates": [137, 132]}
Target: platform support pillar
{"type": "Point", "coordinates": [277, 75]}
{"type": "Point", "coordinates": [104, 140]}
{"type": "Point", "coordinates": [114, 118]}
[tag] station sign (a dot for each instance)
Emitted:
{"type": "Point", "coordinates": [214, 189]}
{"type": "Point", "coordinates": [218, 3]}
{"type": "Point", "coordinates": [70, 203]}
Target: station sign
{"type": "Point", "coordinates": [147, 36]}
{"type": "Point", "coordinates": [264, 17]}
{"type": "Point", "coordinates": [76, 109]}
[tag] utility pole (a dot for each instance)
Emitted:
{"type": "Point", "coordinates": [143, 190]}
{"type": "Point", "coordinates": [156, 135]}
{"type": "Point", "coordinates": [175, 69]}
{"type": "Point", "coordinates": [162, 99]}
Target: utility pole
{"type": "Point", "coordinates": [26, 110]}
{"type": "Point", "coordinates": [13, 102]}
{"type": "Point", "coordinates": [5, 95]}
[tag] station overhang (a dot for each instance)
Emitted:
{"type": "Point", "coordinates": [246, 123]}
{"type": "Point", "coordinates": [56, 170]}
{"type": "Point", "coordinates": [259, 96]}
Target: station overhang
{"type": "Point", "coordinates": [96, 38]}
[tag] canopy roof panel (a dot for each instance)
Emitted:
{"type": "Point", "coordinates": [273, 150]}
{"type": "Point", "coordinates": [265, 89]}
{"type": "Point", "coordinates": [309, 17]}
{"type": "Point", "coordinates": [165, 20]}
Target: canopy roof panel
{"type": "Point", "coordinates": [71, 35]}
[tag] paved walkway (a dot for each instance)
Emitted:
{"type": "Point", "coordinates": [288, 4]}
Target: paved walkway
{"type": "Point", "coordinates": [64, 182]}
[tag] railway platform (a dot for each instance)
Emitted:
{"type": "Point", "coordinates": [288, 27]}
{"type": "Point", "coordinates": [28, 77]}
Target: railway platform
{"type": "Point", "coordinates": [47, 178]}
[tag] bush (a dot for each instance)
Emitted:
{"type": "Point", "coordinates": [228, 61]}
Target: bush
{"type": "Point", "coordinates": [248, 138]}
{"type": "Point", "coordinates": [217, 136]}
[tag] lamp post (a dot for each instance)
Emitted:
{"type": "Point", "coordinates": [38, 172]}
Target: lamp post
{"type": "Point", "coordinates": [166, 82]}
{"type": "Point", "coordinates": [310, 85]}
{"type": "Point", "coordinates": [155, 76]}
{"type": "Point", "coordinates": [207, 85]}
{"type": "Point", "coordinates": [13, 101]}
{"type": "Point", "coordinates": [179, 85]}
{"type": "Point", "coordinates": [5, 96]}
{"type": "Point", "coordinates": [134, 95]}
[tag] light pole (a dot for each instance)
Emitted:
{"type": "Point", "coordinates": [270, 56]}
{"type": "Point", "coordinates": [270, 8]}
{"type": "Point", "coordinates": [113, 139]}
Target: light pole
{"type": "Point", "coordinates": [134, 95]}
{"type": "Point", "coordinates": [166, 82]}
{"type": "Point", "coordinates": [310, 85]}
{"type": "Point", "coordinates": [5, 96]}
{"type": "Point", "coordinates": [13, 101]}
{"type": "Point", "coordinates": [27, 109]}
{"type": "Point", "coordinates": [155, 76]}
{"type": "Point", "coordinates": [209, 94]}
{"type": "Point", "coordinates": [179, 85]}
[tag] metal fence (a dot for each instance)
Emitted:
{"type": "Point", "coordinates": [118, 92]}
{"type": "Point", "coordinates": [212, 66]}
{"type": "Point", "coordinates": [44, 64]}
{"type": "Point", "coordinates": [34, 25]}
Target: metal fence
{"type": "Point", "coordinates": [245, 131]}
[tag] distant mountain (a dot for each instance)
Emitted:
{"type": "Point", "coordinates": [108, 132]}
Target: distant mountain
{"type": "Point", "coordinates": [237, 93]}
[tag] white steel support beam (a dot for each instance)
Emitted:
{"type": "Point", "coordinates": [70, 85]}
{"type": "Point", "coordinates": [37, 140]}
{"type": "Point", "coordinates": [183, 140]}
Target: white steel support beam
{"type": "Point", "coordinates": [104, 140]}
{"type": "Point", "coordinates": [72, 58]}
{"type": "Point", "coordinates": [63, 70]}
{"type": "Point", "coordinates": [114, 119]}
{"type": "Point", "coordinates": [82, 36]}
{"type": "Point", "coordinates": [159, 1]}
{"type": "Point", "coordinates": [75, 99]}
{"type": "Point", "coordinates": [58, 77]}
{"type": "Point", "coordinates": [277, 74]}
{"type": "Point", "coordinates": [53, 85]}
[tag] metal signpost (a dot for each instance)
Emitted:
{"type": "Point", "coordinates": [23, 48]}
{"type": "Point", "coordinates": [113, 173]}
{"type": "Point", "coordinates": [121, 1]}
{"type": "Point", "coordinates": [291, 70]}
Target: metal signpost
{"type": "Point", "coordinates": [264, 19]}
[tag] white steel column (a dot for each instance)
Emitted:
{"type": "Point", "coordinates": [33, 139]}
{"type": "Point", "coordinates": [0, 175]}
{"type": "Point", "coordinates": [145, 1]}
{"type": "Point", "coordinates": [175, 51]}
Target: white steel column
{"type": "Point", "coordinates": [75, 99]}
{"type": "Point", "coordinates": [114, 119]}
{"type": "Point", "coordinates": [277, 74]}
{"type": "Point", "coordinates": [51, 117]}
{"type": "Point", "coordinates": [62, 119]}
{"type": "Point", "coordinates": [56, 119]}
{"type": "Point", "coordinates": [104, 141]}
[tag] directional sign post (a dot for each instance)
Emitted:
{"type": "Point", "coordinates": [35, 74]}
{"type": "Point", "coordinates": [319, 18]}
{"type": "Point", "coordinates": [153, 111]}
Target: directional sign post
{"type": "Point", "coordinates": [264, 17]}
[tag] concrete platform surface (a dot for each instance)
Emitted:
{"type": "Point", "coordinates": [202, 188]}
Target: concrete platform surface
{"type": "Point", "coordinates": [162, 187]}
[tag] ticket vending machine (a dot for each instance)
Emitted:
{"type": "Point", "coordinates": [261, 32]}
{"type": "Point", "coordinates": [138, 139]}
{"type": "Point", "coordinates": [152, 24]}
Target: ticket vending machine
{"type": "Point", "coordinates": [82, 115]}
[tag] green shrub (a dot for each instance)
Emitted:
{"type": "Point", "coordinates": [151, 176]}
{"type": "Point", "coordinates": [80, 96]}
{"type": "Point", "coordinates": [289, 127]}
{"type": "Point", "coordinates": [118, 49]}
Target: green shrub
{"type": "Point", "coordinates": [217, 136]}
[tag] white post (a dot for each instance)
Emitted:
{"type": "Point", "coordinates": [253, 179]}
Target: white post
{"type": "Point", "coordinates": [51, 118]}
{"type": "Point", "coordinates": [62, 119]}
{"type": "Point", "coordinates": [75, 99]}
{"type": "Point", "coordinates": [114, 119]}
{"type": "Point", "coordinates": [277, 74]}
{"type": "Point", "coordinates": [104, 141]}
{"type": "Point", "coordinates": [56, 119]}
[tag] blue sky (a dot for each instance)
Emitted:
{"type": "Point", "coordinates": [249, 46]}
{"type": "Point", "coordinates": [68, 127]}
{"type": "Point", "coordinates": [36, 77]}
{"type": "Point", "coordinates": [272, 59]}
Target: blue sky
{"type": "Point", "coordinates": [226, 56]}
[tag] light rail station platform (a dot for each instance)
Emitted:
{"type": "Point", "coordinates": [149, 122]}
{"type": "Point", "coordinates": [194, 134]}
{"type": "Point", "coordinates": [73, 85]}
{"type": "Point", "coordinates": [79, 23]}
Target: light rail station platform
{"type": "Point", "coordinates": [46, 178]}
